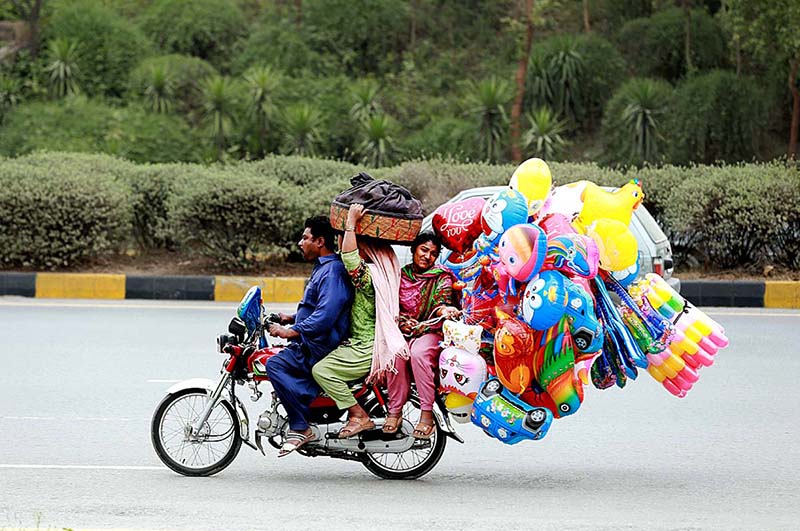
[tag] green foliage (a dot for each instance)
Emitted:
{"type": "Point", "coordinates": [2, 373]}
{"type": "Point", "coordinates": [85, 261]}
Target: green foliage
{"type": "Point", "coordinates": [717, 117]}
{"type": "Point", "coordinates": [261, 83]}
{"type": "Point", "coordinates": [185, 74]}
{"type": "Point", "coordinates": [442, 136]}
{"type": "Point", "coordinates": [301, 129]}
{"type": "Point", "coordinates": [110, 45]}
{"type": "Point", "coordinates": [62, 69]}
{"type": "Point", "coordinates": [655, 46]}
{"type": "Point", "coordinates": [634, 121]}
{"type": "Point", "coordinates": [28, 72]}
{"type": "Point", "coordinates": [10, 90]}
{"type": "Point", "coordinates": [207, 29]}
{"type": "Point", "coordinates": [277, 43]}
{"type": "Point", "coordinates": [377, 146]}
{"type": "Point", "coordinates": [486, 102]}
{"type": "Point", "coordinates": [365, 100]}
{"type": "Point", "coordinates": [220, 109]}
{"type": "Point", "coordinates": [56, 218]}
{"type": "Point", "coordinates": [544, 138]}
{"type": "Point", "coordinates": [79, 124]}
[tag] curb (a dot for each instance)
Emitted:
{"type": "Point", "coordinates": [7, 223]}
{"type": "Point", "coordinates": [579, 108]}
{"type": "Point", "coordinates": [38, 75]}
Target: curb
{"type": "Point", "coordinates": [737, 293]}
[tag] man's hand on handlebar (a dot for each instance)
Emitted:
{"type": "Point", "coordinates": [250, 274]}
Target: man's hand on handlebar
{"type": "Point", "coordinates": [276, 330]}
{"type": "Point", "coordinates": [285, 318]}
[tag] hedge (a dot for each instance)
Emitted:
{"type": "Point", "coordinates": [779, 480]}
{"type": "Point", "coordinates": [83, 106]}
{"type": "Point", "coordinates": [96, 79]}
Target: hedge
{"type": "Point", "coordinates": [247, 215]}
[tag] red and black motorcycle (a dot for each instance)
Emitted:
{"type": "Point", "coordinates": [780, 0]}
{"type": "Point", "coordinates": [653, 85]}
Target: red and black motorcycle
{"type": "Point", "coordinates": [199, 427]}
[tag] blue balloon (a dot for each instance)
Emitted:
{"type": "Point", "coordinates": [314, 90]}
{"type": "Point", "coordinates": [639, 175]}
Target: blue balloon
{"type": "Point", "coordinates": [545, 300]}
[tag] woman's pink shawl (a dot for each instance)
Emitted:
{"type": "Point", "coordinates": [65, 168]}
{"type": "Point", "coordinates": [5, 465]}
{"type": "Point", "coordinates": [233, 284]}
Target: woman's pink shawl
{"type": "Point", "coordinates": [389, 341]}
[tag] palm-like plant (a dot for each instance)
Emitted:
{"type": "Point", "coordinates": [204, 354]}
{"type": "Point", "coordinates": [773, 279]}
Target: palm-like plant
{"type": "Point", "coordinates": [9, 94]}
{"type": "Point", "coordinates": [261, 83]}
{"type": "Point", "coordinates": [544, 136]}
{"type": "Point", "coordinates": [377, 145]}
{"type": "Point", "coordinates": [62, 69]}
{"type": "Point", "coordinates": [365, 100]}
{"type": "Point", "coordinates": [219, 105]}
{"type": "Point", "coordinates": [301, 125]}
{"type": "Point", "coordinates": [160, 90]}
{"type": "Point", "coordinates": [486, 101]}
{"type": "Point", "coordinates": [565, 70]}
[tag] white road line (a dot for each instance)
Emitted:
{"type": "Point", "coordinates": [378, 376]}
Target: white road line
{"type": "Point", "coordinates": [81, 467]}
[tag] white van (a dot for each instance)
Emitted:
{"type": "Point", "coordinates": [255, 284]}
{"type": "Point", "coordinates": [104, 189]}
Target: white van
{"type": "Point", "coordinates": [655, 253]}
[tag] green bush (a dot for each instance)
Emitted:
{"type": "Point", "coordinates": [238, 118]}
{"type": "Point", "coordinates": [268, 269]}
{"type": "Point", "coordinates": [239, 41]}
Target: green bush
{"type": "Point", "coordinates": [82, 125]}
{"type": "Point", "coordinates": [442, 136]}
{"type": "Point", "coordinates": [59, 217]}
{"type": "Point", "coordinates": [655, 46]}
{"type": "Point", "coordinates": [185, 72]}
{"type": "Point", "coordinates": [716, 117]}
{"type": "Point", "coordinates": [109, 45]}
{"type": "Point", "coordinates": [275, 42]}
{"type": "Point", "coordinates": [207, 29]}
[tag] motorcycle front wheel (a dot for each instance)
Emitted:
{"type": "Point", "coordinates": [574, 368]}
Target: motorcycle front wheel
{"type": "Point", "coordinates": [414, 462]}
{"type": "Point", "coordinates": [205, 454]}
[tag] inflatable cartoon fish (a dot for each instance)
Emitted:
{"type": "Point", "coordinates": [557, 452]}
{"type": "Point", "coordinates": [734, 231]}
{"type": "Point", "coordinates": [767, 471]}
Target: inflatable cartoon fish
{"type": "Point", "coordinates": [554, 369]}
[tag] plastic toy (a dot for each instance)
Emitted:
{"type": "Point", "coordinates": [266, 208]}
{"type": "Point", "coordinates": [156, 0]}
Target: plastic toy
{"type": "Point", "coordinates": [617, 205]}
{"type": "Point", "coordinates": [533, 179]}
{"type": "Point", "coordinates": [460, 372]}
{"type": "Point", "coordinates": [522, 251]}
{"type": "Point", "coordinates": [506, 417]}
{"type": "Point", "coordinates": [459, 224]}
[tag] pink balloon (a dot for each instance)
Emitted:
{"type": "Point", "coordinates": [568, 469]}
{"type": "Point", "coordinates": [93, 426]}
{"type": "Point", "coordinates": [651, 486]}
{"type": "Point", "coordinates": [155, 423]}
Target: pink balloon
{"type": "Point", "coordinates": [556, 225]}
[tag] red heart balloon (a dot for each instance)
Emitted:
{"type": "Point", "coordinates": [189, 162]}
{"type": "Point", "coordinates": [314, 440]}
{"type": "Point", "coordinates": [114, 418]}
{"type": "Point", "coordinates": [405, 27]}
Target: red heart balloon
{"type": "Point", "coordinates": [459, 224]}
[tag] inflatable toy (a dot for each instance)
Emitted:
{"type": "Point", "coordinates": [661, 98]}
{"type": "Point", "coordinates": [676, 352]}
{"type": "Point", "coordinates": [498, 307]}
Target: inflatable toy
{"type": "Point", "coordinates": [586, 330]}
{"type": "Point", "coordinates": [462, 336]}
{"type": "Point", "coordinates": [504, 210]}
{"type": "Point", "coordinates": [617, 205]}
{"type": "Point", "coordinates": [626, 276]}
{"type": "Point", "coordinates": [545, 300]}
{"type": "Point", "coordinates": [566, 200]}
{"type": "Point", "coordinates": [459, 407]}
{"type": "Point", "coordinates": [573, 254]}
{"type": "Point", "coordinates": [533, 179]}
{"type": "Point", "coordinates": [522, 251]}
{"type": "Point", "coordinates": [553, 365]}
{"type": "Point", "coordinates": [506, 417]}
{"type": "Point", "coordinates": [465, 267]}
{"type": "Point", "coordinates": [556, 225]}
{"type": "Point", "coordinates": [615, 242]}
{"type": "Point", "coordinates": [514, 343]}
{"type": "Point", "coordinates": [459, 224]}
{"type": "Point", "coordinates": [460, 372]}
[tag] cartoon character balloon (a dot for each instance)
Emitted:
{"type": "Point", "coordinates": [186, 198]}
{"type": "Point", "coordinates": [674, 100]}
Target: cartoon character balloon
{"type": "Point", "coordinates": [545, 300]}
{"type": "Point", "coordinates": [554, 363]}
{"type": "Point", "coordinates": [462, 336]}
{"type": "Point", "coordinates": [501, 212]}
{"type": "Point", "coordinates": [615, 242]}
{"type": "Point", "coordinates": [586, 330]}
{"type": "Point", "coordinates": [522, 250]}
{"type": "Point", "coordinates": [459, 407]}
{"type": "Point", "coordinates": [459, 224]}
{"type": "Point", "coordinates": [514, 343]}
{"type": "Point", "coordinates": [573, 254]}
{"type": "Point", "coordinates": [534, 180]}
{"type": "Point", "coordinates": [464, 266]}
{"type": "Point", "coordinates": [461, 372]}
{"type": "Point", "coordinates": [618, 205]}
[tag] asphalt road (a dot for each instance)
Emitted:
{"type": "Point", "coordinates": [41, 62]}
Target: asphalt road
{"type": "Point", "coordinates": [80, 380]}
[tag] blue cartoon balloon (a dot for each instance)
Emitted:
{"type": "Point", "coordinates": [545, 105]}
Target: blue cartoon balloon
{"type": "Point", "coordinates": [501, 212]}
{"type": "Point", "coordinates": [545, 300]}
{"type": "Point", "coordinates": [586, 330]}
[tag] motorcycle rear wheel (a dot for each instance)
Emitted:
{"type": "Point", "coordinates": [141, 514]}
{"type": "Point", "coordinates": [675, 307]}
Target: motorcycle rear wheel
{"type": "Point", "coordinates": [219, 440]}
{"type": "Point", "coordinates": [413, 463]}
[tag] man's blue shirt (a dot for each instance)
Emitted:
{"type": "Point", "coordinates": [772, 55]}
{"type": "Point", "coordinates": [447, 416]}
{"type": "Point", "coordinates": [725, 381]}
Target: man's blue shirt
{"type": "Point", "coordinates": [323, 316]}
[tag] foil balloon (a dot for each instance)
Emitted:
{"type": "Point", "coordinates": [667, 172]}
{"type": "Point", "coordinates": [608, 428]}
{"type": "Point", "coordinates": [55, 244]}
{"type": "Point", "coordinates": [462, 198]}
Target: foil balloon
{"type": "Point", "coordinates": [522, 251]}
{"type": "Point", "coordinates": [514, 343]}
{"type": "Point", "coordinates": [556, 225]}
{"type": "Point", "coordinates": [501, 212]}
{"type": "Point", "coordinates": [545, 300]}
{"type": "Point", "coordinates": [533, 179]}
{"type": "Point", "coordinates": [464, 266]}
{"type": "Point", "coordinates": [566, 199]}
{"type": "Point", "coordinates": [459, 407]}
{"type": "Point", "coordinates": [462, 336]}
{"type": "Point", "coordinates": [554, 369]}
{"type": "Point", "coordinates": [618, 205]}
{"type": "Point", "coordinates": [459, 224]}
{"type": "Point", "coordinates": [626, 276]}
{"type": "Point", "coordinates": [573, 254]}
{"type": "Point", "coordinates": [586, 330]}
{"type": "Point", "coordinates": [460, 372]}
{"type": "Point", "coordinates": [615, 242]}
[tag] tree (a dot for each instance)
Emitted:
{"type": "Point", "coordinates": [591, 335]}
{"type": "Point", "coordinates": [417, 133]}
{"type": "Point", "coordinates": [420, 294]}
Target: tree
{"type": "Point", "coordinates": [219, 103]}
{"type": "Point", "coordinates": [377, 145]}
{"type": "Point", "coordinates": [544, 138]}
{"type": "Point", "coordinates": [301, 125]}
{"type": "Point", "coordinates": [769, 28]}
{"type": "Point", "coordinates": [261, 83]}
{"type": "Point", "coordinates": [30, 11]}
{"type": "Point", "coordinates": [62, 68]}
{"type": "Point", "coordinates": [159, 92]}
{"type": "Point", "coordinates": [522, 72]}
{"type": "Point", "coordinates": [365, 100]}
{"type": "Point", "coordinates": [486, 101]}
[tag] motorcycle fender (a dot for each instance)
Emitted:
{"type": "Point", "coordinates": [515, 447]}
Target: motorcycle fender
{"type": "Point", "coordinates": [210, 385]}
{"type": "Point", "coordinates": [443, 419]}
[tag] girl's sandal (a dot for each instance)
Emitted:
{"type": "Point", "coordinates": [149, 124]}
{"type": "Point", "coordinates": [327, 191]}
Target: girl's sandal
{"type": "Point", "coordinates": [392, 423]}
{"type": "Point", "coordinates": [424, 430]}
{"type": "Point", "coordinates": [355, 426]}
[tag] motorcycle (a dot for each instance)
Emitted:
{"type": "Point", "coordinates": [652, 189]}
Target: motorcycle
{"type": "Point", "coordinates": [200, 426]}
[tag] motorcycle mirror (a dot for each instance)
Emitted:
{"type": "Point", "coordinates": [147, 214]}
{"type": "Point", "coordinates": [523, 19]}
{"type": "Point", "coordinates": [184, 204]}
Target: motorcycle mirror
{"type": "Point", "coordinates": [237, 327]}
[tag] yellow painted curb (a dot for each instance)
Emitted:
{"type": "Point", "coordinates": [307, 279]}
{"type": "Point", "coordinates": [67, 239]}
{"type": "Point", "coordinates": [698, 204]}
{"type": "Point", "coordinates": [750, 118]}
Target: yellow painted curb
{"type": "Point", "coordinates": [232, 289]}
{"type": "Point", "coordinates": [781, 294]}
{"type": "Point", "coordinates": [80, 286]}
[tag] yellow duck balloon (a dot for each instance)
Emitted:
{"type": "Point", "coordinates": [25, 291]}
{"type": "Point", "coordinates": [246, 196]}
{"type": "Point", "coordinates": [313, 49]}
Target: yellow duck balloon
{"type": "Point", "coordinates": [618, 205]}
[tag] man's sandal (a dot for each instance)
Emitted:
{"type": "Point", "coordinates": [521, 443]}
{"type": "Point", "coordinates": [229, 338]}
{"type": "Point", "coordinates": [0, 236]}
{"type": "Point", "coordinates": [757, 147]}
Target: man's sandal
{"type": "Point", "coordinates": [355, 426]}
{"type": "Point", "coordinates": [424, 430]}
{"type": "Point", "coordinates": [392, 423]}
{"type": "Point", "coordinates": [293, 441]}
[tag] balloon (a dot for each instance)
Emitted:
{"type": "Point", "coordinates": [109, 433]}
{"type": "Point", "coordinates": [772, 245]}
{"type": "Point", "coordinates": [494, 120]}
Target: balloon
{"type": "Point", "coordinates": [462, 336]}
{"type": "Point", "coordinates": [464, 266]}
{"type": "Point", "coordinates": [459, 224]}
{"type": "Point", "coordinates": [617, 245]}
{"type": "Point", "coordinates": [459, 407]}
{"type": "Point", "coordinates": [573, 254]}
{"type": "Point", "coordinates": [586, 330]}
{"type": "Point", "coordinates": [566, 199]}
{"type": "Point", "coordinates": [618, 205]}
{"type": "Point", "coordinates": [545, 300]}
{"type": "Point", "coordinates": [554, 363]}
{"type": "Point", "coordinates": [522, 251]}
{"type": "Point", "coordinates": [501, 212]}
{"type": "Point", "coordinates": [627, 275]}
{"type": "Point", "coordinates": [514, 343]}
{"type": "Point", "coordinates": [556, 225]}
{"type": "Point", "coordinates": [460, 372]}
{"type": "Point", "coordinates": [533, 179]}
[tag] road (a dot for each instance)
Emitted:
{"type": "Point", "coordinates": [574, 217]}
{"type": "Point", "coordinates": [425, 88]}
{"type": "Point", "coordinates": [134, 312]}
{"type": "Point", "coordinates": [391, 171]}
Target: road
{"type": "Point", "coordinates": [80, 380]}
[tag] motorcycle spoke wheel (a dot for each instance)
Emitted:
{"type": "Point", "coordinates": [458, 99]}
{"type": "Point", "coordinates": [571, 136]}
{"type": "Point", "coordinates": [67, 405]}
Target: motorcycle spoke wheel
{"type": "Point", "coordinates": [209, 451]}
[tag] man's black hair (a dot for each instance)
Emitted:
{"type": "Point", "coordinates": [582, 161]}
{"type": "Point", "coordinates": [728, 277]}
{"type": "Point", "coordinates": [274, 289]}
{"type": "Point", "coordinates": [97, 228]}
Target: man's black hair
{"type": "Point", "coordinates": [425, 237]}
{"type": "Point", "coordinates": [320, 227]}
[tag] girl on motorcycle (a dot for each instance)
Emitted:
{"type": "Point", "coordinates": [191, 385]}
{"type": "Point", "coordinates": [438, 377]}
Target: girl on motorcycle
{"type": "Point", "coordinates": [426, 297]}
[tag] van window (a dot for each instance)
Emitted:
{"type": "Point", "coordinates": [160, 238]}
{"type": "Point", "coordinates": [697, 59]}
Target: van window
{"type": "Point", "coordinates": [650, 225]}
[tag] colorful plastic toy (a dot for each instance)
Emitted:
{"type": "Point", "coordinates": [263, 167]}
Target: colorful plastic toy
{"type": "Point", "coordinates": [522, 250]}
{"type": "Point", "coordinates": [506, 417]}
{"type": "Point", "coordinates": [533, 179]}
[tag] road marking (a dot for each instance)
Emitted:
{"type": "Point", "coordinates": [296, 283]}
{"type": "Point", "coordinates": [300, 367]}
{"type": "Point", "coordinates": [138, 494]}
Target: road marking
{"type": "Point", "coordinates": [82, 467]}
{"type": "Point", "coordinates": [163, 381]}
